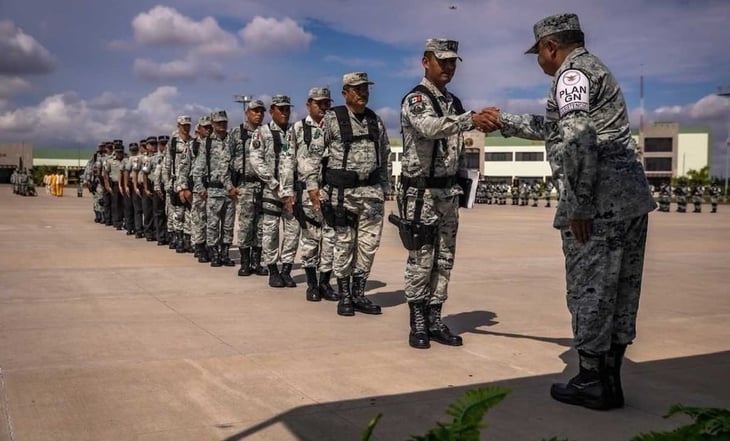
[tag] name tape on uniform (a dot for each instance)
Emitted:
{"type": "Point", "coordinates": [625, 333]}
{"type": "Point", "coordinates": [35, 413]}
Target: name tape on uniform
{"type": "Point", "coordinates": [572, 92]}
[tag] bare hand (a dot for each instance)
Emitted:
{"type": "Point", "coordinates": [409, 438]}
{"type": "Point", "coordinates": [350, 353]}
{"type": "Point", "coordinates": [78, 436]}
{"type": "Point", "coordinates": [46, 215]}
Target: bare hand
{"type": "Point", "coordinates": [487, 120]}
{"type": "Point", "coordinates": [314, 199]}
{"type": "Point", "coordinates": [203, 195]}
{"type": "Point", "coordinates": [148, 193]}
{"type": "Point", "coordinates": [289, 204]}
{"type": "Point", "coordinates": [233, 193]}
{"type": "Point", "coordinates": [581, 229]}
{"type": "Point", "coordinates": [185, 195]}
{"type": "Point", "coordinates": [159, 193]}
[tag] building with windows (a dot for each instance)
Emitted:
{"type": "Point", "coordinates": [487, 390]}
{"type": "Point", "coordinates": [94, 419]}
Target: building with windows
{"type": "Point", "coordinates": [666, 149]}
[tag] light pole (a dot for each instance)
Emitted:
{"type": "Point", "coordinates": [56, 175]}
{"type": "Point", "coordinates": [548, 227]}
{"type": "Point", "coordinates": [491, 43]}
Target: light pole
{"type": "Point", "coordinates": [725, 91]}
{"type": "Point", "coordinates": [243, 99]}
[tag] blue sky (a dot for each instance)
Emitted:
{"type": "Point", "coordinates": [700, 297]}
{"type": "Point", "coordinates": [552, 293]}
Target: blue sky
{"type": "Point", "coordinates": [81, 71]}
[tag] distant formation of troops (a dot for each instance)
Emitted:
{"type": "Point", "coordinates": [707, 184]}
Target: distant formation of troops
{"type": "Point", "coordinates": [520, 194]}
{"type": "Point", "coordinates": [22, 182]}
{"type": "Point", "coordinates": [682, 193]}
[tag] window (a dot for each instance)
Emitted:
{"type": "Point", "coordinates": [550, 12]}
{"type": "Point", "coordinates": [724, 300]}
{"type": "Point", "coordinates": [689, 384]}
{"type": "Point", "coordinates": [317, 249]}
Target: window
{"type": "Point", "coordinates": [529, 156]}
{"type": "Point", "coordinates": [498, 156]}
{"type": "Point", "coordinates": [472, 159]}
{"type": "Point", "coordinates": [658, 144]}
{"type": "Point", "coordinates": [658, 164]}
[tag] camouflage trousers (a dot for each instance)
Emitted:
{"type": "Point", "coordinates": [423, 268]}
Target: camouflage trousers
{"type": "Point", "coordinates": [355, 249]}
{"type": "Point", "coordinates": [316, 244]}
{"type": "Point", "coordinates": [99, 200]}
{"type": "Point", "coordinates": [220, 212]}
{"type": "Point", "coordinates": [198, 220]}
{"type": "Point", "coordinates": [181, 221]}
{"type": "Point", "coordinates": [604, 282]}
{"type": "Point", "coordinates": [428, 269]}
{"type": "Point", "coordinates": [250, 221]}
{"type": "Point", "coordinates": [270, 241]}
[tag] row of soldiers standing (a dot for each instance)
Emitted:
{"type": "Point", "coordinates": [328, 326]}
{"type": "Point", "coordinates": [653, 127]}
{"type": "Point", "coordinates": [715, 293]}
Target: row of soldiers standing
{"type": "Point", "coordinates": [521, 194]}
{"type": "Point", "coordinates": [22, 182]}
{"type": "Point", "coordinates": [682, 192]}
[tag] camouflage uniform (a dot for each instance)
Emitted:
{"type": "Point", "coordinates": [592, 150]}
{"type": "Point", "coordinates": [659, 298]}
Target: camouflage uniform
{"type": "Point", "coordinates": [212, 174]}
{"type": "Point", "coordinates": [136, 176]}
{"type": "Point", "coordinates": [250, 220]}
{"type": "Point", "coordinates": [159, 199]}
{"type": "Point", "coordinates": [198, 209]}
{"type": "Point", "coordinates": [128, 196]}
{"type": "Point", "coordinates": [278, 184]}
{"type": "Point", "coordinates": [715, 193]}
{"type": "Point", "coordinates": [106, 196]}
{"type": "Point", "coordinates": [590, 149]}
{"type": "Point", "coordinates": [113, 170]}
{"type": "Point", "coordinates": [369, 153]}
{"type": "Point", "coordinates": [179, 224]}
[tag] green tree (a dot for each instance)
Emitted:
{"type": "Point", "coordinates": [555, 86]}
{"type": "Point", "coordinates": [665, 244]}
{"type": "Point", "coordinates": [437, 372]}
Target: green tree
{"type": "Point", "coordinates": [699, 177]}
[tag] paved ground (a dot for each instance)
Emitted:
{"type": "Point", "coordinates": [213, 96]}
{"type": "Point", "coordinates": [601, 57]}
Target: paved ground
{"type": "Point", "coordinates": [103, 337]}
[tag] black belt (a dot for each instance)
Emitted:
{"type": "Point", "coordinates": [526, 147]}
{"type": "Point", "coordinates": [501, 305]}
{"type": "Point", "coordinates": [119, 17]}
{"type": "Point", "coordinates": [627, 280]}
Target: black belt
{"type": "Point", "coordinates": [216, 185]}
{"type": "Point", "coordinates": [349, 179]}
{"type": "Point", "coordinates": [426, 182]}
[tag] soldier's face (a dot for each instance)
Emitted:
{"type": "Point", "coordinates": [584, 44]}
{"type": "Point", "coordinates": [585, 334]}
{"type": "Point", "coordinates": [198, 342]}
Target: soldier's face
{"type": "Point", "coordinates": [255, 116]}
{"type": "Point", "coordinates": [280, 114]}
{"type": "Point", "coordinates": [547, 51]}
{"type": "Point", "coordinates": [439, 71]}
{"type": "Point", "coordinates": [151, 147]}
{"type": "Point", "coordinates": [184, 128]}
{"type": "Point", "coordinates": [205, 130]}
{"type": "Point", "coordinates": [357, 95]}
{"type": "Point", "coordinates": [317, 109]}
{"type": "Point", "coordinates": [220, 126]}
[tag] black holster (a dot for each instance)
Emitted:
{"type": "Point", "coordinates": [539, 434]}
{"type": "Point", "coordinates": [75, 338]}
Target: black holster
{"type": "Point", "coordinates": [338, 215]}
{"type": "Point", "coordinates": [413, 234]}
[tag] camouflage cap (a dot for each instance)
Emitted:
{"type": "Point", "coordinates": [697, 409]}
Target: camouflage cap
{"type": "Point", "coordinates": [151, 140]}
{"type": "Point", "coordinates": [319, 94]}
{"type": "Point", "coordinates": [280, 101]}
{"type": "Point", "coordinates": [355, 79]}
{"type": "Point", "coordinates": [552, 25]}
{"type": "Point", "coordinates": [443, 49]}
{"type": "Point", "coordinates": [163, 139]}
{"type": "Point", "coordinates": [205, 121]}
{"type": "Point", "coordinates": [133, 147]}
{"type": "Point", "coordinates": [219, 116]}
{"type": "Point", "coordinates": [256, 104]}
{"type": "Point", "coordinates": [183, 119]}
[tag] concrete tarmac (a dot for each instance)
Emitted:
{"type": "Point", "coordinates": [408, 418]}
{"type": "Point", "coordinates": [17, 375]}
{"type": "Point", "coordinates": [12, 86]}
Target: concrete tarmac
{"type": "Point", "coordinates": [106, 337]}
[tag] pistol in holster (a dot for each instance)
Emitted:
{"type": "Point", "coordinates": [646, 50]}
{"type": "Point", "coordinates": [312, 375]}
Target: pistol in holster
{"type": "Point", "coordinates": [338, 215]}
{"type": "Point", "coordinates": [414, 235]}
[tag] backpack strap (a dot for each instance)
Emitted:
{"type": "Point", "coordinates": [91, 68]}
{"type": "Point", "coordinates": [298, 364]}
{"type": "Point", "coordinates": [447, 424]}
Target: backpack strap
{"type": "Point", "coordinates": [277, 151]}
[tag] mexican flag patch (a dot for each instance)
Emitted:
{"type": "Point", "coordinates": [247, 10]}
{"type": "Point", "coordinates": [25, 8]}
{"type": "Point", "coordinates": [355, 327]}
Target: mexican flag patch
{"type": "Point", "coordinates": [414, 100]}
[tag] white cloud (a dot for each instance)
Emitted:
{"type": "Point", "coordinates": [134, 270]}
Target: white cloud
{"type": "Point", "coordinates": [189, 68]}
{"type": "Point", "coordinates": [264, 35]}
{"type": "Point", "coordinates": [11, 86]}
{"type": "Point", "coordinates": [165, 26]}
{"type": "Point", "coordinates": [21, 53]}
{"type": "Point", "coordinates": [354, 61]}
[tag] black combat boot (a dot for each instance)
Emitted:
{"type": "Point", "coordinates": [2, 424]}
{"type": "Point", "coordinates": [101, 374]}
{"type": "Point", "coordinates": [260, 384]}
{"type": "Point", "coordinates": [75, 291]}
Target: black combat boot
{"type": "Point", "coordinates": [187, 243]}
{"type": "Point", "coordinates": [202, 251]}
{"type": "Point", "coordinates": [286, 276]}
{"type": "Point", "coordinates": [588, 388]}
{"type": "Point", "coordinates": [418, 338]}
{"type": "Point", "coordinates": [256, 266]}
{"type": "Point", "coordinates": [215, 256]}
{"type": "Point", "coordinates": [245, 269]}
{"type": "Point", "coordinates": [437, 329]}
{"type": "Point", "coordinates": [225, 258]}
{"type": "Point", "coordinates": [312, 286]}
{"type": "Point", "coordinates": [613, 370]}
{"type": "Point", "coordinates": [172, 244]}
{"type": "Point", "coordinates": [345, 306]}
{"type": "Point", "coordinates": [275, 280]}
{"type": "Point", "coordinates": [179, 243]}
{"type": "Point", "coordinates": [325, 289]}
{"type": "Point", "coordinates": [360, 302]}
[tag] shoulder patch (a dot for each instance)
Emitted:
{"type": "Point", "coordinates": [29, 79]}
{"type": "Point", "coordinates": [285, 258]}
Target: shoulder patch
{"type": "Point", "coordinates": [317, 134]}
{"type": "Point", "coordinates": [572, 92]}
{"type": "Point", "coordinates": [415, 99]}
{"type": "Point", "coordinates": [256, 143]}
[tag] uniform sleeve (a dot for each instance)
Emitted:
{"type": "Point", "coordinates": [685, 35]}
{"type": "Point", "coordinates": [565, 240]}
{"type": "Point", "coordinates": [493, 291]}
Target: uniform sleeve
{"type": "Point", "coordinates": [165, 172]}
{"type": "Point", "coordinates": [309, 160]}
{"type": "Point", "coordinates": [184, 171]}
{"type": "Point", "coordinates": [288, 163]}
{"type": "Point", "coordinates": [579, 157]}
{"type": "Point", "coordinates": [422, 116]}
{"type": "Point", "coordinates": [386, 166]}
{"type": "Point", "coordinates": [225, 164]}
{"type": "Point", "coordinates": [523, 126]}
{"type": "Point", "coordinates": [259, 144]}
{"type": "Point", "coordinates": [198, 168]}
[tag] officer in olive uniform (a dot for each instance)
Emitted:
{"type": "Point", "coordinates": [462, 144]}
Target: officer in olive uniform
{"type": "Point", "coordinates": [605, 200]}
{"type": "Point", "coordinates": [356, 176]}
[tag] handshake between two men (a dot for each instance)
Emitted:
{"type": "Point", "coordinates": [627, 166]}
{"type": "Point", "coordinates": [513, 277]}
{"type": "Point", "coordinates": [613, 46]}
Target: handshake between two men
{"type": "Point", "coordinates": [487, 120]}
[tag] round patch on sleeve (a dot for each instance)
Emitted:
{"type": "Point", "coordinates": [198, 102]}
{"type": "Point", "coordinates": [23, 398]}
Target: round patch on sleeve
{"type": "Point", "coordinates": [572, 92]}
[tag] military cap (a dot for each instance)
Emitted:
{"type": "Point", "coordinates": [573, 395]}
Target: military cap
{"type": "Point", "coordinates": [163, 139]}
{"type": "Point", "coordinates": [119, 148]}
{"type": "Point", "coordinates": [218, 116]}
{"type": "Point", "coordinates": [319, 94]}
{"type": "Point", "coordinates": [256, 104]}
{"type": "Point", "coordinates": [133, 146]}
{"type": "Point", "coordinates": [151, 140]}
{"type": "Point", "coordinates": [143, 141]}
{"type": "Point", "coordinates": [443, 49]}
{"type": "Point", "coordinates": [118, 142]}
{"type": "Point", "coordinates": [355, 79]}
{"type": "Point", "coordinates": [280, 100]}
{"type": "Point", "coordinates": [552, 25]}
{"type": "Point", "coordinates": [183, 119]}
{"type": "Point", "coordinates": [101, 145]}
{"type": "Point", "coordinates": [204, 121]}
